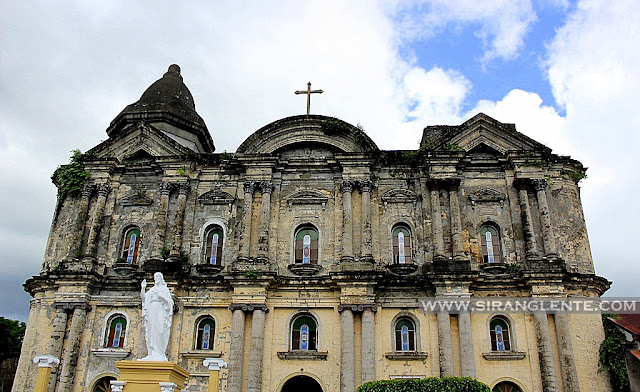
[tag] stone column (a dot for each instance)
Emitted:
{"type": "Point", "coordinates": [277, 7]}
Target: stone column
{"type": "Point", "coordinates": [81, 218]}
{"type": "Point", "coordinates": [527, 226]}
{"type": "Point", "coordinates": [367, 242]}
{"type": "Point", "coordinates": [368, 343]}
{"type": "Point", "coordinates": [467, 358]}
{"type": "Point", "coordinates": [266, 187]}
{"type": "Point", "coordinates": [456, 224]}
{"type": "Point", "coordinates": [445, 349]}
{"type": "Point", "coordinates": [347, 351]}
{"type": "Point", "coordinates": [67, 374]}
{"type": "Point", "coordinates": [245, 234]}
{"type": "Point", "coordinates": [548, 238]}
{"type": "Point", "coordinates": [256, 348]}
{"type": "Point", "coordinates": [56, 340]}
{"type": "Point", "coordinates": [236, 351]}
{"type": "Point", "coordinates": [436, 221]}
{"type": "Point", "coordinates": [178, 224]}
{"type": "Point", "coordinates": [158, 244]}
{"type": "Point", "coordinates": [567, 359]}
{"type": "Point", "coordinates": [346, 187]}
{"type": "Point", "coordinates": [96, 225]}
{"type": "Point", "coordinates": [545, 353]}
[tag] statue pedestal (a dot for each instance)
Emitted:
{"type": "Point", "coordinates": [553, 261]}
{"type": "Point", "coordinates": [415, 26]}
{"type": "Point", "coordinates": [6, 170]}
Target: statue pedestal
{"type": "Point", "coordinates": [147, 376]}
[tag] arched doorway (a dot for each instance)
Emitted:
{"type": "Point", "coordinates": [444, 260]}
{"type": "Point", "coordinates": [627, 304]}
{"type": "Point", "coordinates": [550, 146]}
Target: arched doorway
{"type": "Point", "coordinates": [301, 383]}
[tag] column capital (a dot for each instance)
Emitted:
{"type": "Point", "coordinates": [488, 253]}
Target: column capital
{"type": "Point", "coordinates": [72, 306]}
{"type": "Point", "coordinates": [266, 187]}
{"type": "Point", "coordinates": [249, 308]}
{"type": "Point", "coordinates": [366, 186]}
{"type": "Point", "coordinates": [539, 184]}
{"type": "Point", "coordinates": [165, 188]}
{"type": "Point", "coordinates": [117, 386]}
{"type": "Point", "coordinates": [357, 307]}
{"type": "Point", "coordinates": [46, 361]}
{"type": "Point", "coordinates": [87, 190]}
{"type": "Point", "coordinates": [249, 186]}
{"type": "Point", "coordinates": [183, 188]}
{"type": "Point", "coordinates": [103, 189]}
{"type": "Point", "coordinates": [215, 363]}
{"type": "Point", "coordinates": [167, 386]}
{"type": "Point", "coordinates": [346, 186]}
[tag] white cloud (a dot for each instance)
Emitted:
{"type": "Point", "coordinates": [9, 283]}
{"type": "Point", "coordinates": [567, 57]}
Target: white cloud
{"type": "Point", "coordinates": [500, 25]}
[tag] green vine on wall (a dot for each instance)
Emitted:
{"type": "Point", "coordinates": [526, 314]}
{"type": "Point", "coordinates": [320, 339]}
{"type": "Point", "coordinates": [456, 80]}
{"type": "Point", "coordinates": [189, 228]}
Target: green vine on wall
{"type": "Point", "coordinates": [70, 178]}
{"type": "Point", "coordinates": [612, 353]}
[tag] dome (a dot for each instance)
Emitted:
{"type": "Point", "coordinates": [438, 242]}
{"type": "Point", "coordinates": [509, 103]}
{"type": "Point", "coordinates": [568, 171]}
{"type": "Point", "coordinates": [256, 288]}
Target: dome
{"type": "Point", "coordinates": [168, 106]}
{"type": "Point", "coordinates": [169, 90]}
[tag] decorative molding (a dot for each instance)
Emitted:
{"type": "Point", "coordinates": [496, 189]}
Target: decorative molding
{"type": "Point", "coordinates": [402, 269]}
{"type": "Point", "coordinates": [303, 355]}
{"type": "Point", "coordinates": [111, 353]}
{"type": "Point", "coordinates": [487, 195]}
{"type": "Point", "coordinates": [365, 186]}
{"type": "Point", "coordinates": [304, 269]}
{"type": "Point", "coordinates": [72, 306]}
{"type": "Point", "coordinates": [357, 307]}
{"type": "Point", "coordinates": [504, 355]}
{"type": "Point", "coordinates": [399, 196]}
{"type": "Point", "coordinates": [406, 355]}
{"type": "Point", "coordinates": [249, 307]}
{"type": "Point", "coordinates": [201, 354]}
{"type": "Point", "coordinates": [306, 197]}
{"type": "Point", "coordinates": [215, 196]}
{"type": "Point", "coordinates": [346, 186]}
{"type": "Point", "coordinates": [135, 200]}
{"type": "Point", "coordinates": [266, 187]}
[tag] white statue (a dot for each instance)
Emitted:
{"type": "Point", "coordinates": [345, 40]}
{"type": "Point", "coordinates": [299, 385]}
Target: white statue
{"type": "Point", "coordinates": [157, 311]}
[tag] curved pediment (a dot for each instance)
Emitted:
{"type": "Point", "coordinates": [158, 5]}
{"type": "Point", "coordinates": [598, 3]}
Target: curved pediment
{"type": "Point", "coordinates": [215, 197]}
{"type": "Point", "coordinates": [307, 196]}
{"type": "Point", "coordinates": [399, 196]}
{"type": "Point", "coordinates": [487, 195]}
{"type": "Point", "coordinates": [332, 133]}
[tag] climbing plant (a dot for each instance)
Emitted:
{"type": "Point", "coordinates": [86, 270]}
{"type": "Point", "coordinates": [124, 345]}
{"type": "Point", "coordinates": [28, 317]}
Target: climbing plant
{"type": "Point", "coordinates": [612, 353]}
{"type": "Point", "coordinates": [70, 178]}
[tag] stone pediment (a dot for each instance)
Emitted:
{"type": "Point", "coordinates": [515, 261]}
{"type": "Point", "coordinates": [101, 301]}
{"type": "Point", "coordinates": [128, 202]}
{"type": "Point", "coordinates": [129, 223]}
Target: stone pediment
{"type": "Point", "coordinates": [399, 196]}
{"type": "Point", "coordinates": [480, 130]}
{"type": "Point", "coordinates": [487, 195]}
{"type": "Point", "coordinates": [307, 196]}
{"type": "Point", "coordinates": [216, 196]}
{"type": "Point", "coordinates": [135, 200]}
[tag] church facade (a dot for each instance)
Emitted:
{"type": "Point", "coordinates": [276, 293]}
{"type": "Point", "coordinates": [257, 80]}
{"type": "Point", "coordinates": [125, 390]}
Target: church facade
{"type": "Point", "coordinates": [304, 259]}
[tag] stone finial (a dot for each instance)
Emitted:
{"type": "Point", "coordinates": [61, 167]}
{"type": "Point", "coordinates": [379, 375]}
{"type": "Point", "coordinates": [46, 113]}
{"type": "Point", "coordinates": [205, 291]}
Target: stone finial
{"type": "Point", "coordinates": [215, 363]}
{"type": "Point", "coordinates": [46, 360]}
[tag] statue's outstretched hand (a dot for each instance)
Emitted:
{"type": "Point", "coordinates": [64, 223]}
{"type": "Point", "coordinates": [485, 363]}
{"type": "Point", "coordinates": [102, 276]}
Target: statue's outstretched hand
{"type": "Point", "coordinates": [144, 284]}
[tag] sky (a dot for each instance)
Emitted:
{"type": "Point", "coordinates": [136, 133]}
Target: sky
{"type": "Point", "coordinates": [565, 72]}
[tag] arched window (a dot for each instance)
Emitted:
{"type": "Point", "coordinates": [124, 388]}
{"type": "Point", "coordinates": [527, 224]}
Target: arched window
{"type": "Point", "coordinates": [405, 333]}
{"type": "Point", "coordinates": [103, 385]}
{"type": "Point", "coordinates": [490, 244]}
{"type": "Point", "coordinates": [304, 333]}
{"type": "Point", "coordinates": [213, 246]}
{"type": "Point", "coordinates": [499, 331]}
{"type": "Point", "coordinates": [116, 331]}
{"type": "Point", "coordinates": [205, 334]}
{"type": "Point", "coordinates": [306, 247]}
{"type": "Point", "coordinates": [506, 386]}
{"type": "Point", "coordinates": [131, 245]}
{"type": "Point", "coordinates": [401, 245]}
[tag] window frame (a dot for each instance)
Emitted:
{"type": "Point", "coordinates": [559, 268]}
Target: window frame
{"type": "Point", "coordinates": [126, 244]}
{"type": "Point", "coordinates": [496, 248]}
{"type": "Point", "coordinates": [408, 247]}
{"type": "Point", "coordinates": [298, 245]}
{"type": "Point", "coordinates": [212, 333]}
{"type": "Point", "coordinates": [213, 228]}
{"type": "Point", "coordinates": [313, 334]}
{"type": "Point", "coordinates": [509, 342]}
{"type": "Point", "coordinates": [412, 335]}
{"type": "Point", "coordinates": [107, 341]}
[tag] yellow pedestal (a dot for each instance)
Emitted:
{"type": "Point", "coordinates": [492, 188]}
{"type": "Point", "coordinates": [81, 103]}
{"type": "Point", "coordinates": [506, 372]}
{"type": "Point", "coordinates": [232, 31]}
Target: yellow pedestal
{"type": "Point", "coordinates": [145, 376]}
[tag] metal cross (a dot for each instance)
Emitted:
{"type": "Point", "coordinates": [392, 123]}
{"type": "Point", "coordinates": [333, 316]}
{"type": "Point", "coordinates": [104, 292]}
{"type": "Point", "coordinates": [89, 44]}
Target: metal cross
{"type": "Point", "coordinates": [309, 92]}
